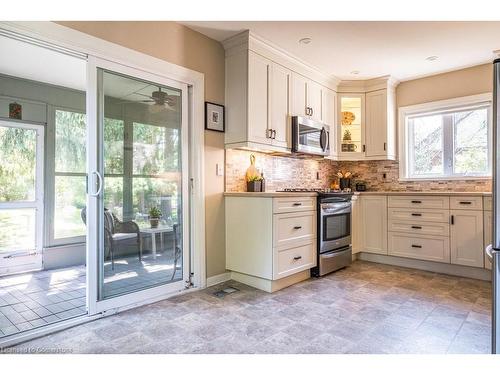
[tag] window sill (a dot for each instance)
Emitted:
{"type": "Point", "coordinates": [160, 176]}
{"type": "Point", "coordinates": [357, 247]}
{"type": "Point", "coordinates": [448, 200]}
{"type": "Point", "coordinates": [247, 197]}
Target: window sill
{"type": "Point", "coordinates": [458, 178]}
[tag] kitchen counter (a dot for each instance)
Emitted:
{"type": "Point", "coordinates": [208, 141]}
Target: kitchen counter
{"type": "Point", "coordinates": [447, 193]}
{"type": "Point", "coordinates": [270, 194]}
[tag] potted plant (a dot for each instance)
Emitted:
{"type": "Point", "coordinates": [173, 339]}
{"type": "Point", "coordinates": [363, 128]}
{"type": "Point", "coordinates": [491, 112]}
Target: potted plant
{"type": "Point", "coordinates": [154, 216]}
{"type": "Point", "coordinates": [254, 183]}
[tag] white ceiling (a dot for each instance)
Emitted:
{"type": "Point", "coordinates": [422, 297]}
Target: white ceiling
{"type": "Point", "coordinates": [373, 48]}
{"type": "Point", "coordinates": [24, 60]}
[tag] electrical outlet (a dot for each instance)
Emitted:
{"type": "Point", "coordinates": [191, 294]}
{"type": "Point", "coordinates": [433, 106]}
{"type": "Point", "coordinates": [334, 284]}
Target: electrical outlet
{"type": "Point", "coordinates": [219, 169]}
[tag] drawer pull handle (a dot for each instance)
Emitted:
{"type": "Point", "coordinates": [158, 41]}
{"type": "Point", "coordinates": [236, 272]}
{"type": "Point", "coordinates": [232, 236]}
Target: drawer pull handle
{"type": "Point", "coordinates": [297, 204]}
{"type": "Point", "coordinates": [452, 219]}
{"type": "Point", "coordinates": [415, 214]}
{"type": "Point", "coordinates": [465, 202]}
{"type": "Point", "coordinates": [416, 201]}
{"type": "Point", "coordinates": [297, 258]}
{"type": "Point", "coordinates": [297, 227]}
{"type": "Point", "coordinates": [417, 246]}
{"type": "Point", "coordinates": [416, 227]}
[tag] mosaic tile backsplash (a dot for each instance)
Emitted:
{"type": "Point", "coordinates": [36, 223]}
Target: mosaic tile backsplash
{"type": "Point", "coordinates": [281, 172]}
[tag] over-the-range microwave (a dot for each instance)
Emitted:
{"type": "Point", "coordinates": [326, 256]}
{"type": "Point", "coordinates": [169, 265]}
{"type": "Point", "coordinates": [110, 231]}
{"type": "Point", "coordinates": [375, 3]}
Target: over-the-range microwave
{"type": "Point", "coordinates": [310, 137]}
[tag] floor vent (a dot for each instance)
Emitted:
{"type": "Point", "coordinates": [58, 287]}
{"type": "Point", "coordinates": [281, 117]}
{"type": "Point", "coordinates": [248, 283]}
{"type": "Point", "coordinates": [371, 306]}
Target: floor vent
{"type": "Point", "coordinates": [224, 292]}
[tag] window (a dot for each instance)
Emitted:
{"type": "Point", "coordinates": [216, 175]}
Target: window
{"type": "Point", "coordinates": [446, 140]}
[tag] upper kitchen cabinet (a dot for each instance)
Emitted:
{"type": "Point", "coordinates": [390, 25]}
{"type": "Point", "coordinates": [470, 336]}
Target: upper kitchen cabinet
{"type": "Point", "coordinates": [265, 87]}
{"type": "Point", "coordinates": [366, 124]}
{"type": "Point", "coordinates": [307, 97]}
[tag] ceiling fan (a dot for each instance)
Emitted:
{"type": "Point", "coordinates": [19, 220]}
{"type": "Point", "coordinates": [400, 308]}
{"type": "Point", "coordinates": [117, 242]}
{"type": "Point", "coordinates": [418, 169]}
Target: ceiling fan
{"type": "Point", "coordinates": [158, 98]}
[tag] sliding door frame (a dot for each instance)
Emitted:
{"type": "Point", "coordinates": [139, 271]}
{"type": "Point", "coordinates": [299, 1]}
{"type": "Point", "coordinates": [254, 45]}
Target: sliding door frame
{"type": "Point", "coordinates": [95, 165]}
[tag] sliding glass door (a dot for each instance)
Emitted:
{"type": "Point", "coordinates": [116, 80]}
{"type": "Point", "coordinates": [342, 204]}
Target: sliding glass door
{"type": "Point", "coordinates": [138, 196]}
{"type": "Point", "coordinates": [21, 196]}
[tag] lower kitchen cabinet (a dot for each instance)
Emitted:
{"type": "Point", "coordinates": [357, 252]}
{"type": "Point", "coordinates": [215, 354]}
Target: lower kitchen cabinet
{"type": "Point", "coordinates": [433, 248]}
{"type": "Point", "coordinates": [374, 224]}
{"type": "Point", "coordinates": [270, 241]}
{"type": "Point", "coordinates": [466, 233]}
{"type": "Point", "coordinates": [356, 224]}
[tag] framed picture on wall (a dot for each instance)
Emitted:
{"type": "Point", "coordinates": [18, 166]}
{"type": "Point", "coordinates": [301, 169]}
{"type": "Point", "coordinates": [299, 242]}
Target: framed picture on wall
{"type": "Point", "coordinates": [214, 117]}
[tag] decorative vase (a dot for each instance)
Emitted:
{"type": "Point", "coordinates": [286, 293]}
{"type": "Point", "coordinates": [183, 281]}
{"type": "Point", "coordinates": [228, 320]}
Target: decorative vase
{"type": "Point", "coordinates": [345, 183]}
{"type": "Point", "coordinates": [154, 222]}
{"type": "Point", "coordinates": [253, 186]}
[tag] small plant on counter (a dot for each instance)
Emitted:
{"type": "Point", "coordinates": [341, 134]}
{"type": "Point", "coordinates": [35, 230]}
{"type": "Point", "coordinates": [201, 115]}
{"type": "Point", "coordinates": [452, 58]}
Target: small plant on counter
{"type": "Point", "coordinates": [254, 183]}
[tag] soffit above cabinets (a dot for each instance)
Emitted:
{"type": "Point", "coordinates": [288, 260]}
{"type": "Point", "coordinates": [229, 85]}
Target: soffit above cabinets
{"type": "Point", "coordinates": [375, 49]}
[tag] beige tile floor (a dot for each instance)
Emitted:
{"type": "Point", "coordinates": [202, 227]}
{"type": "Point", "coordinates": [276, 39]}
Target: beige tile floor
{"type": "Point", "coordinates": [366, 308]}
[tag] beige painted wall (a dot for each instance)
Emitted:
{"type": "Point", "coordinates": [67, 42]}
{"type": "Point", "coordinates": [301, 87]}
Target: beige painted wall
{"type": "Point", "coordinates": [180, 45]}
{"type": "Point", "coordinates": [470, 81]}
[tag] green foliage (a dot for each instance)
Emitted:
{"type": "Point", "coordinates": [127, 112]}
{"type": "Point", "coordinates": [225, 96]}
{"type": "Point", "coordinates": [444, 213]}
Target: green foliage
{"type": "Point", "coordinates": [254, 178]}
{"type": "Point", "coordinates": [154, 212]}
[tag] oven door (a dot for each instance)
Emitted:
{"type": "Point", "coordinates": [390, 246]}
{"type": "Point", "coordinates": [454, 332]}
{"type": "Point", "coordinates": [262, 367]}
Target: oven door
{"type": "Point", "coordinates": [310, 137]}
{"type": "Point", "coordinates": [335, 226]}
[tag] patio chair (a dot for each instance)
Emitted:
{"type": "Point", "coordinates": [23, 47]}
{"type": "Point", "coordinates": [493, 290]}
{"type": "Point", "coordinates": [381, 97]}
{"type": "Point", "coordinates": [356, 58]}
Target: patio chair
{"type": "Point", "coordinates": [177, 248]}
{"type": "Point", "coordinates": [116, 232]}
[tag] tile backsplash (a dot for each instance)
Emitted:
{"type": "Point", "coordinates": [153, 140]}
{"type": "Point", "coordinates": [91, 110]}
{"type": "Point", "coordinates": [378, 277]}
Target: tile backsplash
{"type": "Point", "coordinates": [281, 172]}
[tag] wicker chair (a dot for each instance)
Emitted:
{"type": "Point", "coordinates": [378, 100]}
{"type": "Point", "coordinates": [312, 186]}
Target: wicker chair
{"type": "Point", "coordinates": [116, 231]}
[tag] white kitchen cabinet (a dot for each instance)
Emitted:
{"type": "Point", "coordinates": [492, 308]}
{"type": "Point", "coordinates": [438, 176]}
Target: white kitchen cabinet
{"type": "Point", "coordinates": [366, 120]}
{"type": "Point", "coordinates": [270, 241]}
{"type": "Point", "coordinates": [356, 224]}
{"type": "Point", "coordinates": [279, 105]}
{"type": "Point", "coordinates": [488, 235]}
{"type": "Point", "coordinates": [259, 71]}
{"type": "Point", "coordinates": [258, 97]}
{"type": "Point", "coordinates": [374, 224]}
{"type": "Point", "coordinates": [466, 232]}
{"type": "Point", "coordinates": [307, 97]}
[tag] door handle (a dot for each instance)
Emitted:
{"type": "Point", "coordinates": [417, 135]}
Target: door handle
{"type": "Point", "coordinates": [385, 146]}
{"type": "Point", "coordinates": [416, 227]}
{"type": "Point", "coordinates": [297, 204]}
{"type": "Point", "coordinates": [274, 134]}
{"type": "Point", "coordinates": [364, 148]}
{"type": "Point", "coordinates": [465, 202]}
{"type": "Point", "coordinates": [297, 257]}
{"type": "Point", "coordinates": [417, 246]}
{"type": "Point", "coordinates": [415, 214]}
{"type": "Point", "coordinates": [323, 139]}
{"type": "Point", "coordinates": [99, 178]}
{"type": "Point", "coordinates": [452, 219]}
{"type": "Point", "coordinates": [416, 201]}
{"type": "Point", "coordinates": [297, 227]}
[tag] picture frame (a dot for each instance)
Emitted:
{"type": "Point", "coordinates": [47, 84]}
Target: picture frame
{"type": "Point", "coordinates": [215, 117]}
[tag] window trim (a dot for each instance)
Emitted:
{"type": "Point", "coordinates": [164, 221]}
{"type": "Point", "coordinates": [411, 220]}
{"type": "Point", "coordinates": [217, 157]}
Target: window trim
{"type": "Point", "coordinates": [437, 107]}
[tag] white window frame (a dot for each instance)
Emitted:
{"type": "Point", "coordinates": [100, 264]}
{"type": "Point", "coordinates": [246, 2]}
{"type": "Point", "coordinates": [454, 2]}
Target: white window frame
{"type": "Point", "coordinates": [438, 107]}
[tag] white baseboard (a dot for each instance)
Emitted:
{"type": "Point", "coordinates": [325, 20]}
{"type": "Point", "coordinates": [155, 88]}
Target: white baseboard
{"type": "Point", "coordinates": [449, 269]}
{"type": "Point", "coordinates": [217, 279]}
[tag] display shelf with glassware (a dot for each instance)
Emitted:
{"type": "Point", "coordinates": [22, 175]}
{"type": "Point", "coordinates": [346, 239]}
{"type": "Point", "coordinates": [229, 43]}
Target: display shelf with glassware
{"type": "Point", "coordinates": [351, 123]}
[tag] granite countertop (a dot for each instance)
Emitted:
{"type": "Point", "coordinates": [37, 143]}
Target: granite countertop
{"type": "Point", "coordinates": [313, 194]}
{"type": "Point", "coordinates": [448, 193]}
{"type": "Point", "coordinates": [270, 194]}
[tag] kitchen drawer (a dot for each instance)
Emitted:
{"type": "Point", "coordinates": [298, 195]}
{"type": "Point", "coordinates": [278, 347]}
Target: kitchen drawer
{"type": "Point", "coordinates": [428, 228]}
{"type": "Point", "coordinates": [293, 260]}
{"type": "Point", "coordinates": [466, 203]}
{"type": "Point", "coordinates": [434, 248]}
{"type": "Point", "coordinates": [291, 204]}
{"type": "Point", "coordinates": [488, 203]}
{"type": "Point", "coordinates": [418, 215]}
{"type": "Point", "coordinates": [292, 228]}
{"type": "Point", "coordinates": [419, 201]}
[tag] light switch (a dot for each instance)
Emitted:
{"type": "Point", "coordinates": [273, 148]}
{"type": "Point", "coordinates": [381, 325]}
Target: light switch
{"type": "Point", "coordinates": [219, 169]}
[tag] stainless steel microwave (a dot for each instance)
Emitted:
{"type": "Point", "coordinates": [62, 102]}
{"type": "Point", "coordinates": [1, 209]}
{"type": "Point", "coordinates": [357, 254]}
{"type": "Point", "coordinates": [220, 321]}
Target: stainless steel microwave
{"type": "Point", "coordinates": [310, 137]}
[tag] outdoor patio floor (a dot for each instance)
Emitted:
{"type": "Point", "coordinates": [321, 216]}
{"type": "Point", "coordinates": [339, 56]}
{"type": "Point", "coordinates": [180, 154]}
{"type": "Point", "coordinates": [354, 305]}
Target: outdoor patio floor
{"type": "Point", "coordinates": [35, 299]}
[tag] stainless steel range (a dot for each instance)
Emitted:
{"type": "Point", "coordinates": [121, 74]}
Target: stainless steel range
{"type": "Point", "coordinates": [334, 230]}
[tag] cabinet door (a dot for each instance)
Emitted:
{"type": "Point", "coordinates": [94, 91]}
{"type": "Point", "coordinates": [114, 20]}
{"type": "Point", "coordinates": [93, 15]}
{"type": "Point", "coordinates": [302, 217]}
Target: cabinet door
{"type": "Point", "coordinates": [488, 235]}
{"type": "Point", "coordinates": [328, 106]}
{"type": "Point", "coordinates": [376, 123]}
{"type": "Point", "coordinates": [258, 98]}
{"type": "Point", "coordinates": [356, 224]}
{"type": "Point", "coordinates": [299, 88]}
{"type": "Point", "coordinates": [313, 95]}
{"type": "Point", "coordinates": [466, 233]}
{"type": "Point", "coordinates": [374, 224]}
{"type": "Point", "coordinates": [350, 126]}
{"type": "Point", "coordinates": [280, 105]}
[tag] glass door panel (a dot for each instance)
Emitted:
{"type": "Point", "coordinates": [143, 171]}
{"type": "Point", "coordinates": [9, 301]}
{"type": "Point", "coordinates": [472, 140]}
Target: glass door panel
{"type": "Point", "coordinates": [351, 112]}
{"type": "Point", "coordinates": [140, 217]}
{"type": "Point", "coordinates": [21, 205]}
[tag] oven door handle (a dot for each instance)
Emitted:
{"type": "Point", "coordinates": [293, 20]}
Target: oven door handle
{"type": "Point", "coordinates": [334, 253]}
{"type": "Point", "coordinates": [337, 211]}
